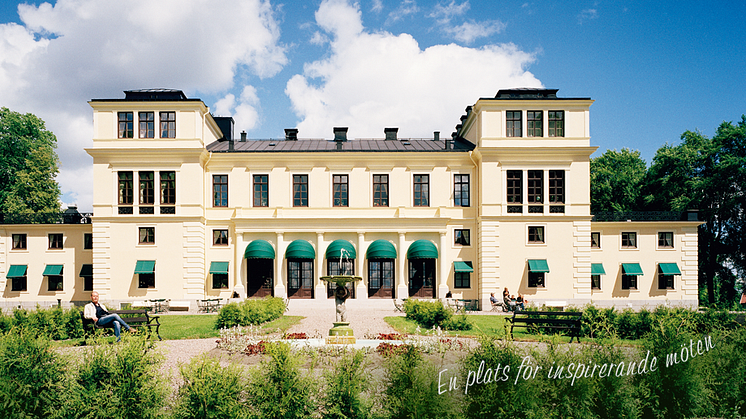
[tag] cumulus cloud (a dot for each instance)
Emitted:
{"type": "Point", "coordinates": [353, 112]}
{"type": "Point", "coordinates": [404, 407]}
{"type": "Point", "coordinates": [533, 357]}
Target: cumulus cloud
{"type": "Point", "coordinates": [63, 55]}
{"type": "Point", "coordinates": [375, 80]}
{"type": "Point", "coordinates": [466, 32]}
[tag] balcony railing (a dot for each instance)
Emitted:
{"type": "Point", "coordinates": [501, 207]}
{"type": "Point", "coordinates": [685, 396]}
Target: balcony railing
{"type": "Point", "coordinates": [47, 218]}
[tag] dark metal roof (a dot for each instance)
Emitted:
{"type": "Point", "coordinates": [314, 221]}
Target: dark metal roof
{"type": "Point", "coordinates": [156, 95]}
{"type": "Point", "coordinates": [530, 93]}
{"type": "Point", "coordinates": [281, 145]}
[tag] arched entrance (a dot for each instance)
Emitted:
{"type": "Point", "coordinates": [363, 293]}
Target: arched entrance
{"type": "Point", "coordinates": [381, 257]}
{"type": "Point", "coordinates": [340, 260]}
{"type": "Point", "coordinates": [259, 255]}
{"type": "Point", "coordinates": [422, 256]}
{"type": "Point", "coordinates": [300, 256]}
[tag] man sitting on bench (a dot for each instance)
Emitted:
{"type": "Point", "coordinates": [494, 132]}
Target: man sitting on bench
{"type": "Point", "coordinates": [102, 318]}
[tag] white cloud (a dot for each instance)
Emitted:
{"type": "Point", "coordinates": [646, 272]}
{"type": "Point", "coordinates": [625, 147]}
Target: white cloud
{"type": "Point", "coordinates": [444, 13]}
{"type": "Point", "coordinates": [466, 32]}
{"type": "Point", "coordinates": [587, 14]}
{"type": "Point", "coordinates": [376, 80]}
{"type": "Point", "coordinates": [377, 6]}
{"type": "Point", "coordinates": [66, 54]}
{"type": "Point", "coordinates": [406, 8]}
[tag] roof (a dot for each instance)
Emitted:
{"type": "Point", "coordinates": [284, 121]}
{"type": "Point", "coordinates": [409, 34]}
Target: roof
{"type": "Point", "coordinates": [281, 145]}
{"type": "Point", "coordinates": [530, 93]}
{"type": "Point", "coordinates": [150, 95]}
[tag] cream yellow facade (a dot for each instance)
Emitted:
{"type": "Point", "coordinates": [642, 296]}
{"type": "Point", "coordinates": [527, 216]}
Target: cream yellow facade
{"type": "Point", "coordinates": [184, 211]}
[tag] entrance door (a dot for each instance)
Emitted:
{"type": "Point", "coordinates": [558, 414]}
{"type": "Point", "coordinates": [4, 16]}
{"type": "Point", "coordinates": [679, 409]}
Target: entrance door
{"type": "Point", "coordinates": [300, 278]}
{"type": "Point", "coordinates": [422, 278]}
{"type": "Point", "coordinates": [381, 278]}
{"type": "Point", "coordinates": [259, 277]}
{"type": "Point", "coordinates": [334, 267]}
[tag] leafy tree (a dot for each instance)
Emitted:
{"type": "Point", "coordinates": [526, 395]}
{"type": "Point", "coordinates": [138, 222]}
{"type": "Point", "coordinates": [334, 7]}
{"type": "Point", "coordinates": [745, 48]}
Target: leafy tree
{"type": "Point", "coordinates": [616, 177]}
{"type": "Point", "coordinates": [28, 165]}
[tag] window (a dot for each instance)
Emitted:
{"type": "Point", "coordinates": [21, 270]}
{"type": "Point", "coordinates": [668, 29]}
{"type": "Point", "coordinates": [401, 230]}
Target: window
{"type": "Point", "coordinates": [146, 280]}
{"type": "Point", "coordinates": [380, 274]}
{"type": "Point", "coordinates": [515, 186]}
{"type": "Point", "coordinates": [168, 124]}
{"type": "Point", "coordinates": [462, 280]}
{"type": "Point", "coordinates": [629, 240]}
{"type": "Point", "coordinates": [125, 188]}
{"type": "Point", "coordinates": [126, 129]}
{"type": "Point", "coordinates": [300, 190]}
{"type": "Point", "coordinates": [55, 241]}
{"type": "Point", "coordinates": [19, 283]}
{"type": "Point", "coordinates": [261, 190]}
{"type": "Point", "coordinates": [665, 239]}
{"type": "Point", "coordinates": [535, 186]}
{"type": "Point", "coordinates": [168, 188]}
{"type": "Point", "coordinates": [596, 282]}
{"type": "Point", "coordinates": [19, 242]}
{"type": "Point", "coordinates": [629, 282]}
{"type": "Point", "coordinates": [87, 240]}
{"type": "Point", "coordinates": [220, 237]}
{"type": "Point", "coordinates": [556, 124]}
{"type": "Point", "coordinates": [595, 240]}
{"type": "Point", "coordinates": [54, 283]}
{"type": "Point", "coordinates": [220, 281]}
{"type": "Point", "coordinates": [147, 235]}
{"type": "Point", "coordinates": [421, 190]}
{"type": "Point", "coordinates": [556, 186]}
{"type": "Point", "coordinates": [462, 237]}
{"type": "Point", "coordinates": [147, 188]}
{"type": "Point", "coordinates": [340, 190]}
{"type": "Point", "coordinates": [665, 282]}
{"type": "Point", "coordinates": [535, 123]}
{"type": "Point", "coordinates": [536, 279]}
{"type": "Point", "coordinates": [461, 190]}
{"type": "Point", "coordinates": [333, 267]}
{"type": "Point", "coordinates": [513, 120]}
{"type": "Point", "coordinates": [380, 190]}
{"type": "Point", "coordinates": [147, 124]}
{"type": "Point", "coordinates": [219, 190]}
{"type": "Point", "coordinates": [536, 234]}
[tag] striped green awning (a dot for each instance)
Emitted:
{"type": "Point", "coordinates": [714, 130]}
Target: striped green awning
{"type": "Point", "coordinates": [460, 266]}
{"type": "Point", "coordinates": [219, 267]}
{"type": "Point", "coordinates": [52, 270]}
{"type": "Point", "coordinates": [381, 249]}
{"type": "Point", "coordinates": [259, 249]}
{"type": "Point", "coordinates": [422, 249]}
{"type": "Point", "coordinates": [597, 269]}
{"type": "Point", "coordinates": [669, 269]}
{"type": "Point", "coordinates": [632, 269]}
{"type": "Point", "coordinates": [300, 249]}
{"type": "Point", "coordinates": [145, 267]}
{"type": "Point", "coordinates": [538, 265]}
{"type": "Point", "coordinates": [334, 251]}
{"type": "Point", "coordinates": [17, 271]}
{"type": "Point", "coordinates": [86, 270]}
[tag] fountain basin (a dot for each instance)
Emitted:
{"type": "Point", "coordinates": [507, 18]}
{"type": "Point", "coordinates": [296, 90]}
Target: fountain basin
{"type": "Point", "coordinates": [359, 343]}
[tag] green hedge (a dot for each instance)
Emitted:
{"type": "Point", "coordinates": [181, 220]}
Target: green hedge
{"type": "Point", "coordinates": [55, 323]}
{"type": "Point", "coordinates": [434, 314]}
{"type": "Point", "coordinates": [253, 311]}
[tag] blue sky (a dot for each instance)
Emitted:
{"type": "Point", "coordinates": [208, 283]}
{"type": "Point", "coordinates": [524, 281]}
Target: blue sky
{"type": "Point", "coordinates": [654, 69]}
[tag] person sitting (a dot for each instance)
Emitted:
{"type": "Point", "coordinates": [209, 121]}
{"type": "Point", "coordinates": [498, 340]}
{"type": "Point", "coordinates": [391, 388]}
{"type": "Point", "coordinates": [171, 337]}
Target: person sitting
{"type": "Point", "coordinates": [509, 303]}
{"type": "Point", "coordinates": [520, 302]}
{"type": "Point", "coordinates": [506, 293]}
{"type": "Point", "coordinates": [102, 318]}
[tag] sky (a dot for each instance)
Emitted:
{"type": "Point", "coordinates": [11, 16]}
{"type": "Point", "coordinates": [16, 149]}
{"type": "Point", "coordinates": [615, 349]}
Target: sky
{"type": "Point", "coordinates": [654, 69]}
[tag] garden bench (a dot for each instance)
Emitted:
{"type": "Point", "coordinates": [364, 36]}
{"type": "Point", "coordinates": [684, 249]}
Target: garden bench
{"type": "Point", "coordinates": [135, 318]}
{"type": "Point", "coordinates": [558, 320]}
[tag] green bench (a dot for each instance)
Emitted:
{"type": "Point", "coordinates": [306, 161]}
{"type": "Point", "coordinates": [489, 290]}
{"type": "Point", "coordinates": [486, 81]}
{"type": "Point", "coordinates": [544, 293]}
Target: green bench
{"type": "Point", "coordinates": [139, 319]}
{"type": "Point", "coordinates": [554, 320]}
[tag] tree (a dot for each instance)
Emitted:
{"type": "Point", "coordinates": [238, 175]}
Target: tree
{"type": "Point", "coordinates": [616, 177]}
{"type": "Point", "coordinates": [28, 165]}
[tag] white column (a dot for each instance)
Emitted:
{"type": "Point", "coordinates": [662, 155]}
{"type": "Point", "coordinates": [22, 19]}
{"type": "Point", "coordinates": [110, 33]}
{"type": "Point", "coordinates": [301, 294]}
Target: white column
{"type": "Point", "coordinates": [235, 266]}
{"type": "Point", "coordinates": [361, 290]}
{"type": "Point", "coordinates": [443, 267]}
{"type": "Point", "coordinates": [319, 292]}
{"type": "Point", "coordinates": [280, 290]}
{"type": "Point", "coordinates": [402, 288]}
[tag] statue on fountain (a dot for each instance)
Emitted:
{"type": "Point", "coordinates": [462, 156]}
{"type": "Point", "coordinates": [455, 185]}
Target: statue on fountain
{"type": "Point", "coordinates": [340, 295]}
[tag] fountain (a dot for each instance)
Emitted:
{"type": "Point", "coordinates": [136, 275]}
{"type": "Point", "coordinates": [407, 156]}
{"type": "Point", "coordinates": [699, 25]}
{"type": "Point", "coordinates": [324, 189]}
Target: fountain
{"type": "Point", "coordinates": [341, 333]}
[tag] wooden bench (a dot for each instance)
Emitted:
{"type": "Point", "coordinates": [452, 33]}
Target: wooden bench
{"type": "Point", "coordinates": [555, 320]}
{"type": "Point", "coordinates": [139, 319]}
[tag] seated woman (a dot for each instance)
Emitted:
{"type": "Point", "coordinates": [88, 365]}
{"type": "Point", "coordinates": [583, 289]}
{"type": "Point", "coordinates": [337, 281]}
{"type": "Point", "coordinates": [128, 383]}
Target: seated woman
{"type": "Point", "coordinates": [509, 303]}
{"type": "Point", "coordinates": [520, 302]}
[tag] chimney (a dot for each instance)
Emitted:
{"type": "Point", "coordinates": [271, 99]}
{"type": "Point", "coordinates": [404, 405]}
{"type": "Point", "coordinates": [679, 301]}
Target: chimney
{"type": "Point", "coordinates": [390, 133]}
{"type": "Point", "coordinates": [291, 134]}
{"type": "Point", "coordinates": [225, 123]}
{"type": "Point", "coordinates": [243, 136]}
{"type": "Point", "coordinates": [340, 134]}
{"type": "Point", "coordinates": [436, 136]}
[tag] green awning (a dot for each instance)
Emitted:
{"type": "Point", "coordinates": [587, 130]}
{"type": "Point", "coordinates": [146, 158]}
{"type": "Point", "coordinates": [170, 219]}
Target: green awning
{"type": "Point", "coordinates": [145, 267]}
{"type": "Point", "coordinates": [460, 266]}
{"type": "Point", "coordinates": [259, 249]}
{"type": "Point", "coordinates": [52, 270]}
{"type": "Point", "coordinates": [538, 265]}
{"type": "Point", "coordinates": [669, 269]}
{"type": "Point", "coordinates": [86, 270]}
{"type": "Point", "coordinates": [17, 271]}
{"type": "Point", "coordinates": [597, 269]}
{"type": "Point", "coordinates": [422, 249]}
{"type": "Point", "coordinates": [631, 269]}
{"type": "Point", "coordinates": [300, 249]}
{"type": "Point", "coordinates": [334, 251]}
{"type": "Point", "coordinates": [381, 249]}
{"type": "Point", "coordinates": [219, 267]}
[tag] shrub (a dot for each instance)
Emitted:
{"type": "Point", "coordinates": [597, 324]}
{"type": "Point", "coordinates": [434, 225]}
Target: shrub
{"type": "Point", "coordinates": [346, 388]}
{"type": "Point", "coordinates": [230, 315]}
{"type": "Point", "coordinates": [210, 391]}
{"type": "Point", "coordinates": [54, 323]}
{"type": "Point", "coordinates": [248, 312]}
{"type": "Point", "coordinates": [434, 314]}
